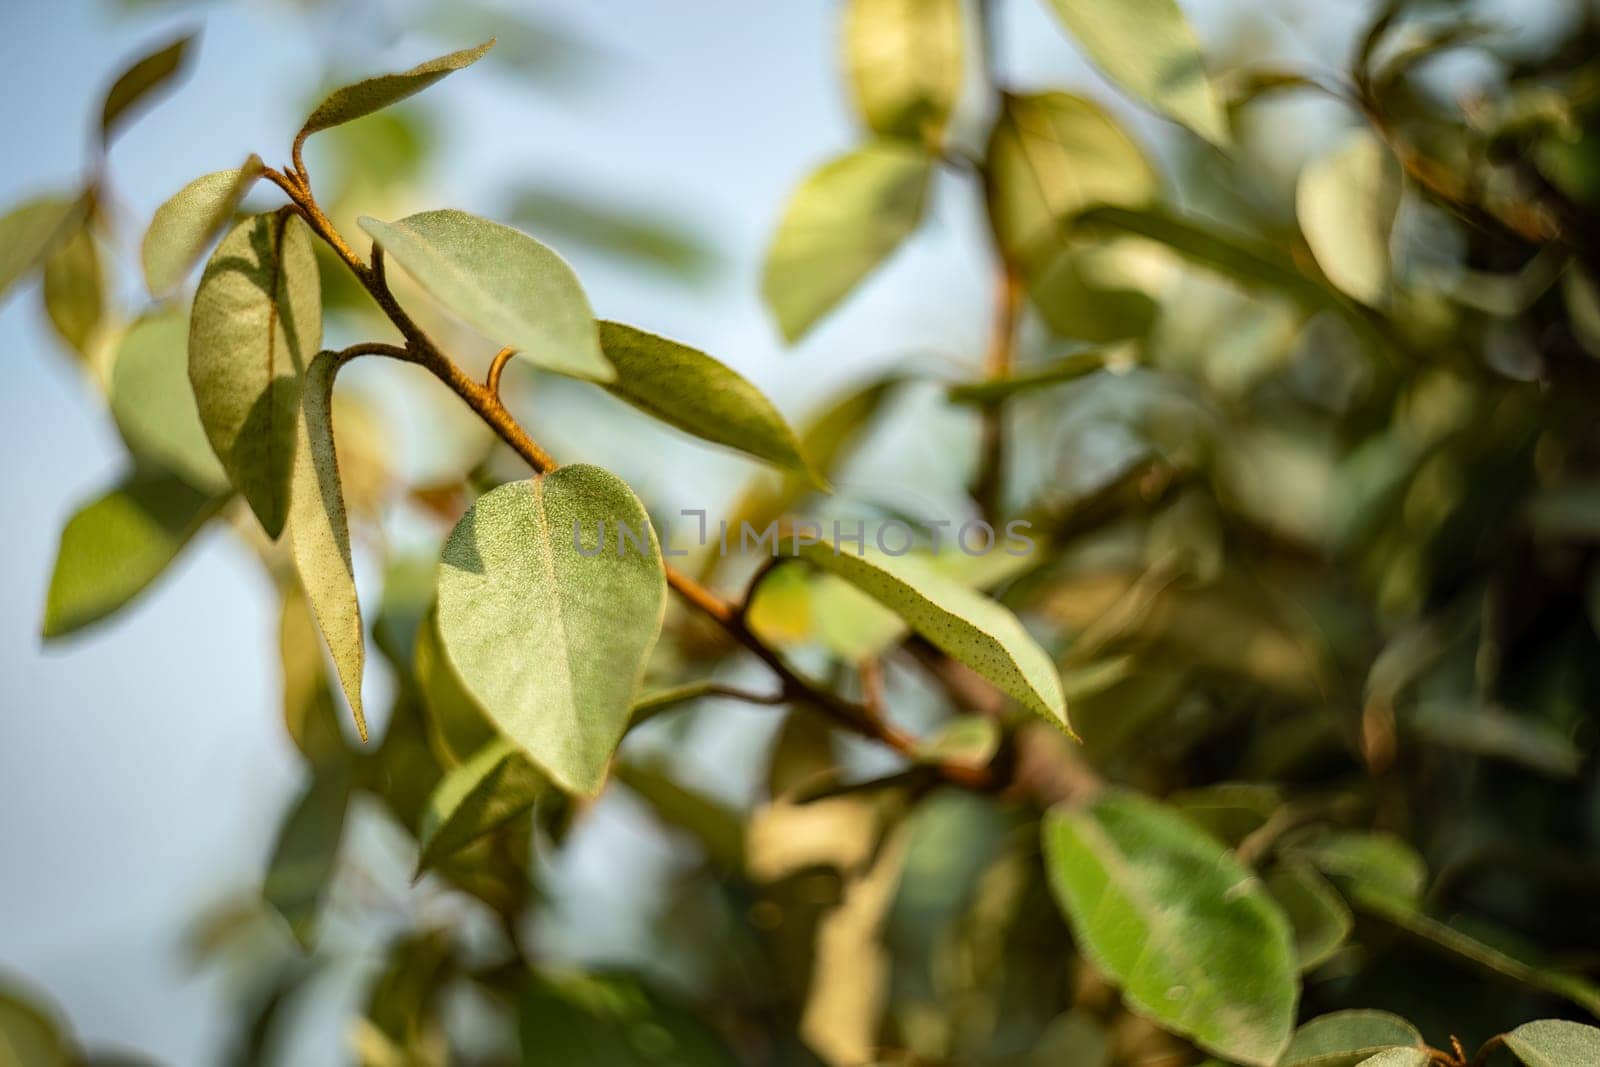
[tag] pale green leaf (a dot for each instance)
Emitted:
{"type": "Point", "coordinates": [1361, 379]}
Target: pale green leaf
{"type": "Point", "coordinates": [491, 788]}
{"type": "Point", "coordinates": [970, 740]}
{"type": "Point", "coordinates": [1400, 1057]}
{"type": "Point", "coordinates": [905, 62]}
{"type": "Point", "coordinates": [116, 545]}
{"type": "Point", "coordinates": [1149, 49]}
{"type": "Point", "coordinates": [1319, 917]}
{"type": "Point", "coordinates": [457, 726]}
{"type": "Point", "coordinates": [352, 101]}
{"type": "Point", "coordinates": [1346, 202]}
{"type": "Point", "coordinates": [255, 326]}
{"type": "Point", "coordinates": [306, 852]}
{"type": "Point", "coordinates": [964, 624]}
{"type": "Point", "coordinates": [150, 74]}
{"type": "Point", "coordinates": [551, 642]}
{"type": "Point", "coordinates": [1052, 156]}
{"type": "Point", "coordinates": [319, 532]}
{"type": "Point", "coordinates": [844, 220]}
{"type": "Point", "coordinates": [1346, 1038]}
{"type": "Point", "coordinates": [502, 283]}
{"type": "Point", "coordinates": [614, 1020]}
{"type": "Point", "coordinates": [1184, 929]}
{"type": "Point", "coordinates": [185, 225]}
{"type": "Point", "coordinates": [1554, 1043]}
{"type": "Point", "coordinates": [686, 388]}
{"type": "Point", "coordinates": [30, 231]}
{"type": "Point", "coordinates": [1373, 863]}
{"type": "Point", "coordinates": [154, 405]}
{"type": "Point", "coordinates": [309, 714]}
{"type": "Point", "coordinates": [74, 289]}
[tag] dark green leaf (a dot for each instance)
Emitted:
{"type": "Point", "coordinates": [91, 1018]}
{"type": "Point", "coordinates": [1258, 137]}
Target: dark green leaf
{"type": "Point", "coordinates": [309, 713]}
{"type": "Point", "coordinates": [994, 390]}
{"type": "Point", "coordinates": [151, 74]}
{"type": "Point", "coordinates": [584, 1021]}
{"type": "Point", "coordinates": [185, 225]}
{"type": "Point", "coordinates": [488, 790]}
{"type": "Point", "coordinates": [1318, 915]}
{"type": "Point", "coordinates": [373, 94]}
{"type": "Point", "coordinates": [306, 852]}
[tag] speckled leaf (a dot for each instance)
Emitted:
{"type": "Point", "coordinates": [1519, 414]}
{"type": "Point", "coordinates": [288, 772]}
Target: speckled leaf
{"type": "Point", "coordinates": [119, 543]}
{"type": "Point", "coordinates": [150, 74]}
{"type": "Point", "coordinates": [74, 289]}
{"type": "Point", "coordinates": [457, 726]}
{"type": "Point", "coordinates": [1346, 202]}
{"type": "Point", "coordinates": [1346, 1038]}
{"type": "Point", "coordinates": [964, 624]}
{"type": "Point", "coordinates": [360, 98]}
{"type": "Point", "coordinates": [1399, 1057]}
{"type": "Point", "coordinates": [844, 220]}
{"type": "Point", "coordinates": [905, 63]}
{"type": "Point", "coordinates": [1320, 918]}
{"type": "Point", "coordinates": [153, 404]}
{"type": "Point", "coordinates": [550, 642]}
{"type": "Point", "coordinates": [30, 231]}
{"type": "Point", "coordinates": [1149, 49]}
{"type": "Point", "coordinates": [1554, 1043]}
{"type": "Point", "coordinates": [1187, 932]}
{"type": "Point", "coordinates": [494, 786]}
{"type": "Point", "coordinates": [686, 388]}
{"type": "Point", "coordinates": [186, 224]}
{"type": "Point", "coordinates": [319, 532]}
{"type": "Point", "coordinates": [255, 327]}
{"type": "Point", "coordinates": [502, 283]}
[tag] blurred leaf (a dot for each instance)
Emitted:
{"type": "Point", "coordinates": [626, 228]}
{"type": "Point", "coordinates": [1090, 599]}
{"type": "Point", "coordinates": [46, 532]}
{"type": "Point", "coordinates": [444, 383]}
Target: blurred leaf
{"type": "Point", "coordinates": [843, 221]}
{"type": "Point", "coordinates": [1189, 934]}
{"type": "Point", "coordinates": [309, 713]}
{"type": "Point", "coordinates": [1148, 48]}
{"type": "Point", "coordinates": [1377, 864]}
{"type": "Point", "coordinates": [154, 405]}
{"type": "Point", "coordinates": [1078, 295]}
{"type": "Point", "coordinates": [1346, 202]}
{"type": "Point", "coordinates": [403, 1008]}
{"type": "Point", "coordinates": [905, 62]}
{"type": "Point", "coordinates": [502, 283]}
{"type": "Point", "coordinates": [1067, 369]}
{"type": "Point", "coordinates": [149, 75]}
{"type": "Point", "coordinates": [1554, 1043]}
{"type": "Point", "coordinates": [457, 725]}
{"type": "Point", "coordinates": [558, 679]}
{"type": "Point", "coordinates": [492, 787]}
{"type": "Point", "coordinates": [969, 740]}
{"type": "Point", "coordinates": [255, 327]}
{"type": "Point", "coordinates": [360, 98]}
{"type": "Point", "coordinates": [305, 854]}
{"type": "Point", "coordinates": [29, 1037]}
{"type": "Point", "coordinates": [319, 532]}
{"type": "Point", "coordinates": [75, 290]}
{"type": "Point", "coordinates": [185, 225]}
{"type": "Point", "coordinates": [966, 625]}
{"type": "Point", "coordinates": [31, 231]}
{"type": "Point", "coordinates": [1346, 1038]}
{"type": "Point", "coordinates": [693, 392]}
{"type": "Point", "coordinates": [587, 1020]}
{"type": "Point", "coordinates": [119, 543]}
{"type": "Point", "coordinates": [1229, 811]}
{"type": "Point", "coordinates": [633, 237]}
{"type": "Point", "coordinates": [1488, 731]}
{"type": "Point", "coordinates": [715, 826]}
{"type": "Point", "coordinates": [1317, 914]}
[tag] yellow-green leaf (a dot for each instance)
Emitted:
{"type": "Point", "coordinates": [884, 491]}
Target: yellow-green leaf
{"type": "Point", "coordinates": [549, 641]}
{"type": "Point", "coordinates": [1150, 50]}
{"type": "Point", "coordinates": [154, 405]}
{"type": "Point", "coordinates": [845, 219]}
{"type": "Point", "coordinates": [30, 231]}
{"type": "Point", "coordinates": [1346, 202]}
{"type": "Point", "coordinates": [1554, 1043]}
{"type": "Point", "coordinates": [494, 786]}
{"type": "Point", "coordinates": [150, 74]}
{"type": "Point", "coordinates": [116, 545]}
{"type": "Point", "coordinates": [360, 98]}
{"type": "Point", "coordinates": [308, 708]}
{"type": "Point", "coordinates": [905, 62]}
{"type": "Point", "coordinates": [30, 1035]}
{"type": "Point", "coordinates": [306, 852]}
{"type": "Point", "coordinates": [502, 283]}
{"type": "Point", "coordinates": [1320, 918]}
{"type": "Point", "coordinates": [686, 388]}
{"type": "Point", "coordinates": [319, 532]}
{"type": "Point", "coordinates": [74, 289]}
{"type": "Point", "coordinates": [183, 226]}
{"type": "Point", "coordinates": [1187, 932]}
{"type": "Point", "coordinates": [255, 327]}
{"type": "Point", "coordinates": [457, 726]}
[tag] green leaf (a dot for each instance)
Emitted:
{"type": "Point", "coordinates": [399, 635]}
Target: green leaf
{"type": "Point", "coordinates": [1373, 863]}
{"type": "Point", "coordinates": [1185, 930]}
{"type": "Point", "coordinates": [1228, 811]}
{"type": "Point", "coordinates": [255, 327]}
{"type": "Point", "coordinates": [74, 289]}
{"type": "Point", "coordinates": [1346, 202]}
{"type": "Point", "coordinates": [1400, 1057]}
{"type": "Point", "coordinates": [1149, 49]}
{"type": "Point", "coordinates": [494, 786]}
{"type": "Point", "coordinates": [995, 390]}
{"type": "Point", "coordinates": [964, 624]}
{"type": "Point", "coordinates": [319, 532]}
{"type": "Point", "coordinates": [630, 235]}
{"type": "Point", "coordinates": [148, 75]}
{"type": "Point", "coordinates": [1485, 730]}
{"type": "Point", "coordinates": [1346, 1038]}
{"type": "Point", "coordinates": [153, 404]}
{"type": "Point", "coordinates": [457, 726]}
{"type": "Point", "coordinates": [309, 714]}
{"type": "Point", "coordinates": [552, 643]}
{"type": "Point", "coordinates": [502, 283]}
{"type": "Point", "coordinates": [970, 740]}
{"type": "Point", "coordinates": [351, 102]}
{"type": "Point", "coordinates": [615, 1020]}
{"type": "Point", "coordinates": [845, 219]}
{"type": "Point", "coordinates": [1052, 156]}
{"type": "Point", "coordinates": [30, 231]}
{"type": "Point", "coordinates": [1554, 1043]}
{"type": "Point", "coordinates": [185, 225]}
{"type": "Point", "coordinates": [686, 388]}
{"type": "Point", "coordinates": [306, 852]}
{"type": "Point", "coordinates": [1318, 915]}
{"type": "Point", "coordinates": [905, 61]}
{"type": "Point", "coordinates": [29, 1034]}
{"type": "Point", "coordinates": [119, 543]}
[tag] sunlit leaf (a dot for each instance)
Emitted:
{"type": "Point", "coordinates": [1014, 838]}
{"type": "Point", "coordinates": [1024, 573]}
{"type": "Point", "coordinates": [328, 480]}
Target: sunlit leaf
{"type": "Point", "coordinates": [1148, 48]}
{"type": "Point", "coordinates": [582, 1020]}
{"type": "Point", "coordinates": [29, 1036]}
{"type": "Point", "coordinates": [372, 94]}
{"type": "Point", "coordinates": [151, 74]}
{"type": "Point", "coordinates": [306, 852]}
{"type": "Point", "coordinates": [1346, 202]}
{"type": "Point", "coordinates": [184, 226]}
{"type": "Point", "coordinates": [1400, 1057]}
{"type": "Point", "coordinates": [686, 388]}
{"type": "Point", "coordinates": [503, 283]}
{"type": "Point", "coordinates": [844, 220]}
{"type": "Point", "coordinates": [457, 726]}
{"type": "Point", "coordinates": [153, 404]}
{"type": "Point", "coordinates": [255, 326]}
{"type": "Point", "coordinates": [319, 532]}
{"type": "Point", "coordinates": [549, 641]}
{"type": "Point", "coordinates": [116, 545]}
{"type": "Point", "coordinates": [905, 61]}
{"type": "Point", "coordinates": [491, 788]}
{"type": "Point", "coordinates": [1190, 935]}
{"type": "Point", "coordinates": [74, 289]}
{"type": "Point", "coordinates": [30, 231]}
{"type": "Point", "coordinates": [1554, 1043]}
{"type": "Point", "coordinates": [1318, 915]}
{"type": "Point", "coordinates": [1346, 1038]}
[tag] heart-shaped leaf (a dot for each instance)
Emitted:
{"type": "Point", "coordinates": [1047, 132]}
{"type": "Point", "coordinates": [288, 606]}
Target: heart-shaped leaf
{"type": "Point", "coordinates": [183, 226]}
{"type": "Point", "coordinates": [494, 786]}
{"type": "Point", "coordinates": [1554, 1043]}
{"type": "Point", "coordinates": [905, 62]}
{"type": "Point", "coordinates": [153, 404]}
{"type": "Point", "coordinates": [548, 627]}
{"type": "Point", "coordinates": [351, 102]}
{"type": "Point", "coordinates": [502, 283]}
